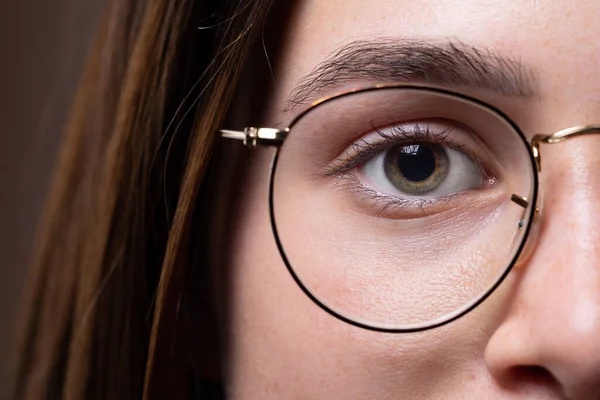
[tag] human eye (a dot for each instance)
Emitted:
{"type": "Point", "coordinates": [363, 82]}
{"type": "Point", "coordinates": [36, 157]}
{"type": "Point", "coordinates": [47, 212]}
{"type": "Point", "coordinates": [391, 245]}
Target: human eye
{"type": "Point", "coordinates": [414, 165]}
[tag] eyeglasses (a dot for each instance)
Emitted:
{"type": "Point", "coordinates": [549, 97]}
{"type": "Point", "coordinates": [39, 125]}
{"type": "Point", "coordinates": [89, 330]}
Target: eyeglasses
{"type": "Point", "coordinates": [400, 208]}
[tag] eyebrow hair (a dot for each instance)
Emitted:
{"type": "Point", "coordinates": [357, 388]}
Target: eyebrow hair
{"type": "Point", "coordinates": [392, 60]}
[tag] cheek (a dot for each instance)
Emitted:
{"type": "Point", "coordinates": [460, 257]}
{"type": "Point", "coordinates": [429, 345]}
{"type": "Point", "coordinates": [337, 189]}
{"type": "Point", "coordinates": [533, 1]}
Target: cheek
{"type": "Point", "coordinates": [281, 345]}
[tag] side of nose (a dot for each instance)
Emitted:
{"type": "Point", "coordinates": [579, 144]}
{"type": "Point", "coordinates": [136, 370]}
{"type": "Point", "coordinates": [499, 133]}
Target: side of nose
{"type": "Point", "coordinates": [550, 337]}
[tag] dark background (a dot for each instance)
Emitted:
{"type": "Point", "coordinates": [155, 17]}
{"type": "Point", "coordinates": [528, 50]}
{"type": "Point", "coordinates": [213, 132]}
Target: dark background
{"type": "Point", "coordinates": [43, 44]}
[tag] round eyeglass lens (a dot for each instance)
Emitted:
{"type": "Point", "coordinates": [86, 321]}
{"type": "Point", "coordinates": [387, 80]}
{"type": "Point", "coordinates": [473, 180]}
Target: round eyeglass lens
{"type": "Point", "coordinates": [401, 208]}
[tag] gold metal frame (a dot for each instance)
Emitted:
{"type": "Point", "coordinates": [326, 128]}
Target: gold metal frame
{"type": "Point", "coordinates": [253, 137]}
{"type": "Point", "coordinates": [273, 137]}
{"type": "Point", "coordinates": [558, 137]}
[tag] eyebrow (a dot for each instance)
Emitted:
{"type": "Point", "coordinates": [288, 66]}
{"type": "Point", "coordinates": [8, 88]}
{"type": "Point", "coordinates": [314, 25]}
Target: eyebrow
{"type": "Point", "coordinates": [390, 60]}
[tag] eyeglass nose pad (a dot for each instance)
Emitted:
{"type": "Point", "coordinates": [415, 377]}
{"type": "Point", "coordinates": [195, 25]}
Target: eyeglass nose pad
{"type": "Point", "coordinates": [533, 234]}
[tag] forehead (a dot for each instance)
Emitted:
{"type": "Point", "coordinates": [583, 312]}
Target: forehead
{"type": "Point", "coordinates": [555, 39]}
{"type": "Point", "coordinates": [508, 23]}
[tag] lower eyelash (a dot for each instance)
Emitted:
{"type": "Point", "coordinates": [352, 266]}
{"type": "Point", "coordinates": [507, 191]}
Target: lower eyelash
{"type": "Point", "coordinates": [348, 181]}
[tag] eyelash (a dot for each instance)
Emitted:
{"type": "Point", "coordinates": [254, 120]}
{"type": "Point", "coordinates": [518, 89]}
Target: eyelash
{"type": "Point", "coordinates": [362, 151]}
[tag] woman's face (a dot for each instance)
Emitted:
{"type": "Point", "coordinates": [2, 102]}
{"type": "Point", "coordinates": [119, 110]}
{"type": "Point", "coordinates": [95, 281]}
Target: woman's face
{"type": "Point", "coordinates": [538, 335]}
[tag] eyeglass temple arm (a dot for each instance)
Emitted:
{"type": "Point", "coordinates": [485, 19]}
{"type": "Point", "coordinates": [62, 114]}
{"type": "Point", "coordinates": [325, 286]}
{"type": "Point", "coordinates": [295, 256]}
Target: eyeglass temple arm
{"type": "Point", "coordinates": [253, 137]}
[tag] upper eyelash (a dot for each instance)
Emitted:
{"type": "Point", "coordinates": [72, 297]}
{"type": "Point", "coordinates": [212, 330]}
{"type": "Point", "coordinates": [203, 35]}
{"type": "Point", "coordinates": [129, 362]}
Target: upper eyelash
{"type": "Point", "coordinates": [363, 150]}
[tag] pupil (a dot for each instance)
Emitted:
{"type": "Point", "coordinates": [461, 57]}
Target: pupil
{"type": "Point", "coordinates": [416, 162]}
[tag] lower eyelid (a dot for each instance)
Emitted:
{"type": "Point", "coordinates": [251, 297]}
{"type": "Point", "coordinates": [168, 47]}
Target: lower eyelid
{"type": "Point", "coordinates": [356, 184]}
{"type": "Point", "coordinates": [391, 207]}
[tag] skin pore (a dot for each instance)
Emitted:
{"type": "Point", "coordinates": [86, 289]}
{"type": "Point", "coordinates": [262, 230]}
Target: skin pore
{"type": "Point", "coordinates": [538, 335]}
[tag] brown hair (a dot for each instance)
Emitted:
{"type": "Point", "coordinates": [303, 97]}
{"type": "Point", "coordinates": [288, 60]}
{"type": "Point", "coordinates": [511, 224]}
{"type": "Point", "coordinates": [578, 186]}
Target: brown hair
{"type": "Point", "coordinates": [102, 306]}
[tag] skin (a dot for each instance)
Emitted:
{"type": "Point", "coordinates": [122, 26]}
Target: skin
{"type": "Point", "coordinates": [538, 335]}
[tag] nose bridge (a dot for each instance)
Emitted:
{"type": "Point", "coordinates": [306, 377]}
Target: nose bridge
{"type": "Point", "coordinates": [568, 206]}
{"type": "Point", "coordinates": [536, 142]}
{"type": "Point", "coordinates": [580, 197]}
{"type": "Point", "coordinates": [566, 260]}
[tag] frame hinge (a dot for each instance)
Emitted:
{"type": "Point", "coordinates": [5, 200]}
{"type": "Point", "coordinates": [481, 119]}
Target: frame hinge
{"type": "Point", "coordinates": [253, 137]}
